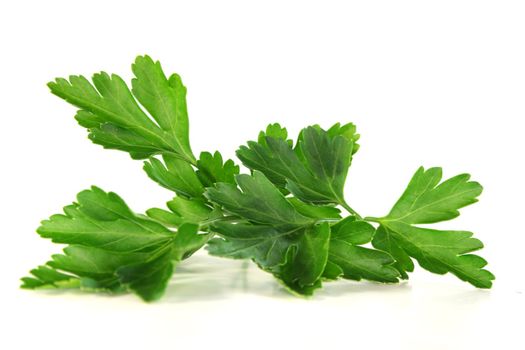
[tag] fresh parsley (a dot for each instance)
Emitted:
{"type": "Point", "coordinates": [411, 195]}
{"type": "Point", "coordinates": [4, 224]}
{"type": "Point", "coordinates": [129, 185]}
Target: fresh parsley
{"type": "Point", "coordinates": [285, 215]}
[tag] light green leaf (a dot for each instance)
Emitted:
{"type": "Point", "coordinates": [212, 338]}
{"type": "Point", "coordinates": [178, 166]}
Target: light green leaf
{"type": "Point", "coordinates": [115, 120]}
{"type": "Point", "coordinates": [211, 169]}
{"type": "Point", "coordinates": [192, 210]}
{"type": "Point", "coordinates": [112, 249]}
{"type": "Point", "coordinates": [103, 220]}
{"type": "Point", "coordinates": [45, 277]}
{"type": "Point", "coordinates": [175, 175]}
{"type": "Point", "coordinates": [165, 100]}
{"type": "Point", "coordinates": [187, 241]}
{"type": "Point", "coordinates": [427, 201]}
{"type": "Point", "coordinates": [95, 263]}
{"type": "Point", "coordinates": [165, 217]}
{"type": "Point", "coordinates": [275, 131]}
{"type": "Point", "coordinates": [443, 251]}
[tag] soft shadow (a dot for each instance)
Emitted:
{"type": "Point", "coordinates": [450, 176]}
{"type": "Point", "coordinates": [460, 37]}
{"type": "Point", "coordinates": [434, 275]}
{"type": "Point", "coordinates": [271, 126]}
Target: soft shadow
{"type": "Point", "coordinates": [204, 278]}
{"type": "Point", "coordinates": [344, 287]}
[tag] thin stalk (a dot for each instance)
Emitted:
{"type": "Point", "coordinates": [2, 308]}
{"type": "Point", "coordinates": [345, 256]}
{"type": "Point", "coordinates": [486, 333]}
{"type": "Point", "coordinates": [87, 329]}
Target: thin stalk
{"type": "Point", "coordinates": [350, 210]}
{"type": "Point", "coordinates": [372, 219]}
{"type": "Point", "coordinates": [222, 218]}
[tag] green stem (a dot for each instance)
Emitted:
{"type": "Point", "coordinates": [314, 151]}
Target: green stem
{"type": "Point", "coordinates": [185, 158]}
{"type": "Point", "coordinates": [222, 218]}
{"type": "Point", "coordinates": [350, 210]}
{"type": "Point", "coordinates": [372, 219]}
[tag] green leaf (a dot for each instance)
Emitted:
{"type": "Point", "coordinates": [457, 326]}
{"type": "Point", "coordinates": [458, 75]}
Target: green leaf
{"type": "Point", "coordinates": [192, 210]}
{"type": "Point", "coordinates": [384, 241]}
{"type": "Point", "coordinates": [148, 279]}
{"type": "Point", "coordinates": [315, 211]}
{"type": "Point", "coordinates": [211, 169]}
{"type": "Point", "coordinates": [272, 232]}
{"type": "Point", "coordinates": [97, 264]}
{"type": "Point", "coordinates": [308, 262]}
{"type": "Point", "coordinates": [114, 118]}
{"type": "Point", "coordinates": [259, 201]}
{"type": "Point", "coordinates": [46, 277]}
{"type": "Point", "coordinates": [314, 172]}
{"type": "Point", "coordinates": [297, 256]}
{"type": "Point", "coordinates": [356, 262]}
{"type": "Point", "coordinates": [328, 159]}
{"type": "Point", "coordinates": [275, 131]}
{"type": "Point", "coordinates": [348, 131]}
{"type": "Point", "coordinates": [165, 100]}
{"type": "Point", "coordinates": [332, 271]}
{"type": "Point", "coordinates": [353, 231]}
{"type": "Point", "coordinates": [112, 249]}
{"type": "Point", "coordinates": [426, 200]}
{"type": "Point", "coordinates": [443, 251]}
{"type": "Point", "coordinates": [187, 241]}
{"type": "Point", "coordinates": [175, 175]}
{"type": "Point", "coordinates": [263, 243]}
{"type": "Point", "coordinates": [103, 220]}
{"type": "Point", "coordinates": [283, 216]}
{"type": "Point", "coordinates": [165, 217]}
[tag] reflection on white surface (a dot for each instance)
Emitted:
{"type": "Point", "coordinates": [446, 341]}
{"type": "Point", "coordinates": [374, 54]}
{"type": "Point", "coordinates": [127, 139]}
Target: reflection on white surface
{"type": "Point", "coordinates": [222, 303]}
{"type": "Point", "coordinates": [203, 277]}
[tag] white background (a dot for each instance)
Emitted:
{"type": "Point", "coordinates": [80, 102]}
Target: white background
{"type": "Point", "coordinates": [433, 83]}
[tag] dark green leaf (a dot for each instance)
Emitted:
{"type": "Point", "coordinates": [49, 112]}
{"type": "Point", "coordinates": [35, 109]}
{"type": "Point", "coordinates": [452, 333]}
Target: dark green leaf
{"type": "Point", "coordinates": [384, 241]}
{"type": "Point", "coordinates": [148, 279]}
{"type": "Point", "coordinates": [257, 200]}
{"type": "Point", "coordinates": [359, 262]}
{"type": "Point", "coordinates": [314, 172]}
{"type": "Point", "coordinates": [274, 233]}
{"type": "Point", "coordinates": [353, 231]}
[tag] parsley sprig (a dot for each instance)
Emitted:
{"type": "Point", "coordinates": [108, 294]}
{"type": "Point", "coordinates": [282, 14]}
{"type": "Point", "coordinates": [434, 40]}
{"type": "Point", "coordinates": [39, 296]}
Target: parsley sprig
{"type": "Point", "coordinates": [286, 215]}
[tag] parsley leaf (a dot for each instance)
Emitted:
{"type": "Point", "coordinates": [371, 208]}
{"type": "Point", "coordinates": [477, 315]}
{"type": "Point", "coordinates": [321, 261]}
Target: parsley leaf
{"type": "Point", "coordinates": [285, 216]}
{"type": "Point", "coordinates": [271, 232]}
{"type": "Point", "coordinates": [115, 119]}
{"type": "Point", "coordinates": [175, 175]}
{"type": "Point", "coordinates": [354, 261]}
{"type": "Point", "coordinates": [111, 248]}
{"type": "Point", "coordinates": [426, 200]}
{"type": "Point", "coordinates": [314, 171]}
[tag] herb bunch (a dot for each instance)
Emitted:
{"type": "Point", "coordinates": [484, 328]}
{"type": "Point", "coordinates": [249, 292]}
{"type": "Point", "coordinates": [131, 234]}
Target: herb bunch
{"type": "Point", "coordinates": [286, 215]}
